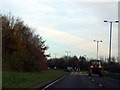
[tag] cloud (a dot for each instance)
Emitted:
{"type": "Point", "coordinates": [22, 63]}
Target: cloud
{"type": "Point", "coordinates": [59, 36]}
{"type": "Point", "coordinates": [79, 44]}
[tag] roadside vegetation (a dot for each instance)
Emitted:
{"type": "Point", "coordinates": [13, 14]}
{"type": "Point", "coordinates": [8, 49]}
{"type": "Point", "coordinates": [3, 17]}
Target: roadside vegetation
{"type": "Point", "coordinates": [22, 49]}
{"type": "Point", "coordinates": [29, 79]}
{"type": "Point", "coordinates": [112, 75]}
{"type": "Point", "coordinates": [71, 62]}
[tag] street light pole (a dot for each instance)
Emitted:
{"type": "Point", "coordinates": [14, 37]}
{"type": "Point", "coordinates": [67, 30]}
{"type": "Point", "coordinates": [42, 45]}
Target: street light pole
{"type": "Point", "coordinates": [97, 49]}
{"type": "Point", "coordinates": [55, 55]}
{"type": "Point", "coordinates": [67, 53]}
{"type": "Point", "coordinates": [97, 46]}
{"type": "Point", "coordinates": [110, 40]}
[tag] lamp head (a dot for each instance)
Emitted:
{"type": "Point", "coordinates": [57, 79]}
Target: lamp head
{"type": "Point", "coordinates": [117, 21]}
{"type": "Point", "coordinates": [105, 20]}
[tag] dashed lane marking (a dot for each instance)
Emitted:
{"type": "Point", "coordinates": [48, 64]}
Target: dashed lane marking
{"type": "Point", "coordinates": [100, 85]}
{"type": "Point", "coordinates": [93, 80]}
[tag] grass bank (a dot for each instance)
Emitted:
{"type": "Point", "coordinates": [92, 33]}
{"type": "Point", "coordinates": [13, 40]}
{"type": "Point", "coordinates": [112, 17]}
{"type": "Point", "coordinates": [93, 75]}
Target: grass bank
{"type": "Point", "coordinates": [112, 75]}
{"type": "Point", "coordinates": [28, 79]}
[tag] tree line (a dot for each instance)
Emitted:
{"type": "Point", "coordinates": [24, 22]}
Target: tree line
{"type": "Point", "coordinates": [64, 62]}
{"type": "Point", "coordinates": [81, 63]}
{"type": "Point", "coordinates": [22, 49]}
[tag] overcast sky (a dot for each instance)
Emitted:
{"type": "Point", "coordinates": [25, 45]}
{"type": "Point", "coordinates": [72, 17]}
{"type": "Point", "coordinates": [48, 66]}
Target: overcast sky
{"type": "Point", "coordinates": [69, 25]}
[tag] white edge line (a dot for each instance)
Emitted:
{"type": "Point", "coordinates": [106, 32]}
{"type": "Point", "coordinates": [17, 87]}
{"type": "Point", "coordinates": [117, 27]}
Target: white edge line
{"type": "Point", "coordinates": [52, 83]}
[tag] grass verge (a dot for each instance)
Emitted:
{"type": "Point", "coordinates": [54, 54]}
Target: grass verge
{"type": "Point", "coordinates": [28, 79]}
{"type": "Point", "coordinates": [112, 75]}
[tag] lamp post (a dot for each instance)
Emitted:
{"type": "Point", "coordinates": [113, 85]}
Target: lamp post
{"type": "Point", "coordinates": [111, 22]}
{"type": "Point", "coordinates": [97, 46]}
{"type": "Point", "coordinates": [55, 55]}
{"type": "Point", "coordinates": [67, 53]}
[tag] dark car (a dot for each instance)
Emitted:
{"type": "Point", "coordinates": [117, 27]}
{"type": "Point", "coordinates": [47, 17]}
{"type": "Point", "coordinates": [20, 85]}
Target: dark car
{"type": "Point", "coordinates": [95, 67]}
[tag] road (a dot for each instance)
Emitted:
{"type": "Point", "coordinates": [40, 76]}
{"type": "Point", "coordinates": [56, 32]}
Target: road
{"type": "Point", "coordinates": [81, 80]}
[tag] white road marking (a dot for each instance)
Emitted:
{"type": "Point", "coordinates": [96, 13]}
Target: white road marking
{"type": "Point", "coordinates": [89, 77]}
{"type": "Point", "coordinates": [52, 83]}
{"type": "Point", "coordinates": [93, 80]}
{"type": "Point", "coordinates": [100, 85]}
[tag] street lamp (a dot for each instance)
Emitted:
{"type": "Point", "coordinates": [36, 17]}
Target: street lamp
{"type": "Point", "coordinates": [110, 38]}
{"type": "Point", "coordinates": [97, 46]}
{"type": "Point", "coordinates": [55, 55]}
{"type": "Point", "coordinates": [67, 53]}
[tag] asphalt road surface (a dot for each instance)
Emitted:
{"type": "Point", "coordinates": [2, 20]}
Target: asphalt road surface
{"type": "Point", "coordinates": [82, 80]}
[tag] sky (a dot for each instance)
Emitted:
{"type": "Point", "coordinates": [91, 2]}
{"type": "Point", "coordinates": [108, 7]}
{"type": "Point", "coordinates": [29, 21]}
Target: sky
{"type": "Point", "coordinates": [69, 25]}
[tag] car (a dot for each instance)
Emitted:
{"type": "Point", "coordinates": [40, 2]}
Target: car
{"type": "Point", "coordinates": [95, 67]}
{"type": "Point", "coordinates": [69, 69]}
